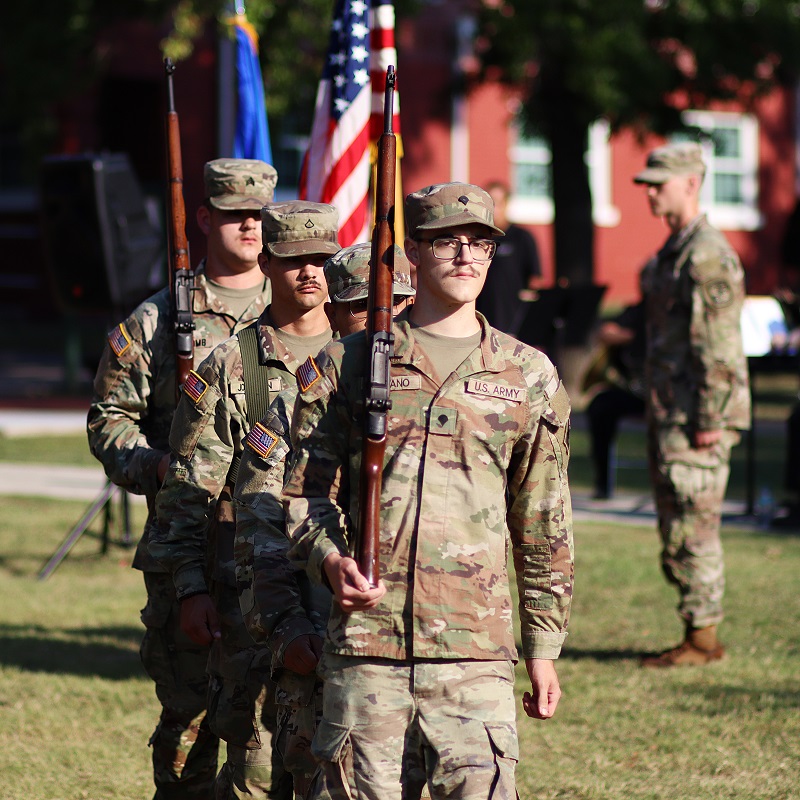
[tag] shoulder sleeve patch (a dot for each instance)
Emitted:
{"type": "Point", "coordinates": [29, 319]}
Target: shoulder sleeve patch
{"type": "Point", "coordinates": [261, 440]}
{"type": "Point", "coordinates": [308, 374]}
{"type": "Point", "coordinates": [119, 340]}
{"type": "Point", "coordinates": [718, 293]}
{"type": "Point", "coordinates": [194, 387]}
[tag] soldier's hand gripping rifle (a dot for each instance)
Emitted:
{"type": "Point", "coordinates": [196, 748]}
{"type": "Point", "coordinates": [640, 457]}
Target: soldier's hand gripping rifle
{"type": "Point", "coordinates": [181, 277]}
{"type": "Point", "coordinates": [380, 342]}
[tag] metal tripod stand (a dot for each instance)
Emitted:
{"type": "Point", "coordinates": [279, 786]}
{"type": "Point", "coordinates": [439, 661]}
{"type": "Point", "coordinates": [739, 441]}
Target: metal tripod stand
{"type": "Point", "coordinates": [103, 503]}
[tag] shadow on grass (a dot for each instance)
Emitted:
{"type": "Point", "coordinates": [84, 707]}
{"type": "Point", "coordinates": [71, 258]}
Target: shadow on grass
{"type": "Point", "coordinates": [728, 699]}
{"type": "Point", "coordinates": [588, 654]}
{"type": "Point", "coordinates": [111, 653]}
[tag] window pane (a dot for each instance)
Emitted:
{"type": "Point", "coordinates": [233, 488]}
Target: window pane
{"type": "Point", "coordinates": [533, 180]}
{"type": "Point", "coordinates": [726, 143]}
{"type": "Point", "coordinates": [728, 188]}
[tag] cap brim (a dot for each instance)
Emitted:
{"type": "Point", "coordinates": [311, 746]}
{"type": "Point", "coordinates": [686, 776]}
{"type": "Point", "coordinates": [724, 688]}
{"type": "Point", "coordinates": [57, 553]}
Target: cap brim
{"type": "Point", "coordinates": [361, 290]}
{"type": "Point", "coordinates": [304, 247]}
{"type": "Point", "coordinates": [459, 219]}
{"type": "Point", "coordinates": [653, 175]}
{"type": "Point", "coordinates": [239, 202]}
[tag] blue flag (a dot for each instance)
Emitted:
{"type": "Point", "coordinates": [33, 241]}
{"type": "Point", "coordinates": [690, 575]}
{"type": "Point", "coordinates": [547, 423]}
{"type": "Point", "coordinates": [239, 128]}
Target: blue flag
{"type": "Point", "coordinates": [252, 134]}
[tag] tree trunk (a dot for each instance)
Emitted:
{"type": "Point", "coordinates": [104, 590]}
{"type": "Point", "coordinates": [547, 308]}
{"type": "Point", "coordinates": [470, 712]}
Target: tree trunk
{"type": "Point", "coordinates": [568, 135]}
{"type": "Point", "coordinates": [573, 226]}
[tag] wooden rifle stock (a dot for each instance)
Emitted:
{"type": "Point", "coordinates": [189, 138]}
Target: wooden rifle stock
{"type": "Point", "coordinates": [380, 342]}
{"type": "Point", "coordinates": [181, 277]}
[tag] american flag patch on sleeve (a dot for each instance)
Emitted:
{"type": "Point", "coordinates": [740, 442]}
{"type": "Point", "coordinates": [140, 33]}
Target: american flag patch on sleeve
{"type": "Point", "coordinates": [308, 374]}
{"type": "Point", "coordinates": [195, 387]}
{"type": "Point", "coordinates": [262, 440]}
{"type": "Point", "coordinates": [118, 340]}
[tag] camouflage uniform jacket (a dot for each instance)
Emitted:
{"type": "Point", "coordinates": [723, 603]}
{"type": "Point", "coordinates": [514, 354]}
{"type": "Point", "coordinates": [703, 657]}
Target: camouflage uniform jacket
{"type": "Point", "coordinates": [134, 390]}
{"type": "Point", "coordinates": [696, 369]}
{"type": "Point", "coordinates": [278, 601]}
{"type": "Point", "coordinates": [207, 434]}
{"type": "Point", "coordinates": [473, 467]}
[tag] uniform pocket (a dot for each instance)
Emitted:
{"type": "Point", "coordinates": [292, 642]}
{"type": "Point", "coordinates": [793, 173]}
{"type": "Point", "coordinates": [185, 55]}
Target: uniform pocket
{"type": "Point", "coordinates": [331, 742]}
{"type": "Point", "coordinates": [231, 712]}
{"type": "Point", "coordinates": [504, 740]}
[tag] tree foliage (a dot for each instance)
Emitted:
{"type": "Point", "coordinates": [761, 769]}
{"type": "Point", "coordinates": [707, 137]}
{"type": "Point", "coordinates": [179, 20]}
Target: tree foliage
{"type": "Point", "coordinates": [636, 63]}
{"type": "Point", "coordinates": [51, 55]}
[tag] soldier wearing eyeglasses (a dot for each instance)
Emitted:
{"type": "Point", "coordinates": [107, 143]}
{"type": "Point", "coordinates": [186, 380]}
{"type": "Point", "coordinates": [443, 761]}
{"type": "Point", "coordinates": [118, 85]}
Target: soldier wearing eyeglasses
{"type": "Point", "coordinates": [280, 607]}
{"type": "Point", "coordinates": [418, 671]}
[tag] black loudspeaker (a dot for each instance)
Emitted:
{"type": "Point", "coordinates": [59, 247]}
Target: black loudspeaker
{"type": "Point", "coordinates": [102, 251]}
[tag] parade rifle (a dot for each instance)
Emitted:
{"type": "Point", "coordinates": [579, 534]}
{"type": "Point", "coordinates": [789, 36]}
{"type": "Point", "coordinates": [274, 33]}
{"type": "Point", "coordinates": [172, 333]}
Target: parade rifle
{"type": "Point", "coordinates": [181, 277]}
{"type": "Point", "coordinates": [380, 342]}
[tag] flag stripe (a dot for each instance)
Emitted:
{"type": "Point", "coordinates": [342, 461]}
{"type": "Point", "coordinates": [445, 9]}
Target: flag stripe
{"type": "Point", "coordinates": [349, 113]}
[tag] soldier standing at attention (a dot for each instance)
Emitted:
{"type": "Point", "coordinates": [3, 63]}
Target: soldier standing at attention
{"type": "Point", "coordinates": [194, 529]}
{"type": "Point", "coordinates": [697, 399]}
{"type": "Point", "coordinates": [128, 427]}
{"type": "Point", "coordinates": [280, 607]}
{"type": "Point", "coordinates": [418, 672]}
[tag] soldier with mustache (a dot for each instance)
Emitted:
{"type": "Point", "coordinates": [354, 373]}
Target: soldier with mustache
{"type": "Point", "coordinates": [194, 531]}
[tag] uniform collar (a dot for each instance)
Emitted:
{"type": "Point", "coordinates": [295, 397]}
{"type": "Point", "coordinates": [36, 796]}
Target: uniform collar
{"type": "Point", "coordinates": [488, 357]}
{"type": "Point", "coordinates": [204, 299]}
{"type": "Point", "coordinates": [270, 347]}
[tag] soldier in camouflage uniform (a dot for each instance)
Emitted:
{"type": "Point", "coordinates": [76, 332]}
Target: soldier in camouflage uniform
{"type": "Point", "coordinates": [419, 672]}
{"type": "Point", "coordinates": [194, 530]}
{"type": "Point", "coordinates": [128, 427]}
{"type": "Point", "coordinates": [281, 608]}
{"type": "Point", "coordinates": [698, 398]}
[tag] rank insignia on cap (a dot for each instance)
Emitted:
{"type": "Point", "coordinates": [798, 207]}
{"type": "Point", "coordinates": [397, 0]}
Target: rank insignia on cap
{"type": "Point", "coordinates": [118, 340]}
{"type": "Point", "coordinates": [195, 387]}
{"type": "Point", "coordinates": [308, 374]}
{"type": "Point", "coordinates": [261, 440]}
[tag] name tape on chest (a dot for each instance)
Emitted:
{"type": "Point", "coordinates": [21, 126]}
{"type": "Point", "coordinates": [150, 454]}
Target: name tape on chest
{"type": "Point", "coordinates": [194, 387]}
{"type": "Point", "coordinates": [399, 383]}
{"type": "Point", "coordinates": [118, 340]}
{"type": "Point", "coordinates": [275, 385]}
{"type": "Point", "coordinates": [308, 374]}
{"type": "Point", "coordinates": [512, 393]}
{"type": "Point", "coordinates": [261, 440]}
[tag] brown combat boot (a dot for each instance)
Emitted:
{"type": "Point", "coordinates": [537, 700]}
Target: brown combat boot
{"type": "Point", "coordinates": [700, 647]}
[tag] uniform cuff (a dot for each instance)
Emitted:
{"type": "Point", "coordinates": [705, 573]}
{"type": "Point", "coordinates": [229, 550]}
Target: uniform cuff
{"type": "Point", "coordinates": [318, 554]}
{"type": "Point", "coordinates": [189, 581]}
{"type": "Point", "coordinates": [285, 633]}
{"type": "Point", "coordinates": [542, 644]}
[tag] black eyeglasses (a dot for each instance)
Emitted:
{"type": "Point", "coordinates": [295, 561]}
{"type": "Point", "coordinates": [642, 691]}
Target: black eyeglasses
{"type": "Point", "coordinates": [358, 308]}
{"type": "Point", "coordinates": [448, 247]}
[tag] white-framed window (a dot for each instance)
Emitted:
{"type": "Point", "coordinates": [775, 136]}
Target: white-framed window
{"type": "Point", "coordinates": [532, 182]}
{"type": "Point", "coordinates": [730, 149]}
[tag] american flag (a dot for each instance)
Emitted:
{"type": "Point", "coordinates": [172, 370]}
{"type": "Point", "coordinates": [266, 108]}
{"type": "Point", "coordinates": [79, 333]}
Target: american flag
{"type": "Point", "coordinates": [349, 113]}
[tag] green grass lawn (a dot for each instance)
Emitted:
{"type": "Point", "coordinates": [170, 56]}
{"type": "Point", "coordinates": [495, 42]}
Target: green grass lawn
{"type": "Point", "coordinates": [58, 449]}
{"type": "Point", "coordinates": [76, 709]}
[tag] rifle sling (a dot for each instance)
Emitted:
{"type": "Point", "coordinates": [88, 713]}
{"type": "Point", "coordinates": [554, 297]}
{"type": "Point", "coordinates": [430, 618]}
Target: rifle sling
{"type": "Point", "coordinates": [256, 386]}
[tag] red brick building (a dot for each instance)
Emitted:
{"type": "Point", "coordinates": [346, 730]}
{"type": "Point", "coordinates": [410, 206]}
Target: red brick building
{"type": "Point", "coordinates": [453, 128]}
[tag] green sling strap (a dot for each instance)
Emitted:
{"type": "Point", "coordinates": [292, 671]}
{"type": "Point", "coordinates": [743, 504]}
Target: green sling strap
{"type": "Point", "coordinates": [256, 386]}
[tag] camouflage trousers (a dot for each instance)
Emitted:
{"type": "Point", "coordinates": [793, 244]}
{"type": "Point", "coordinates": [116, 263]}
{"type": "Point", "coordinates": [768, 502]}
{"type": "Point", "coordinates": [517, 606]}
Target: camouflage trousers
{"type": "Point", "coordinates": [391, 727]}
{"type": "Point", "coordinates": [299, 701]}
{"type": "Point", "coordinates": [689, 486]}
{"type": "Point", "coordinates": [184, 748]}
{"type": "Point", "coordinates": [242, 710]}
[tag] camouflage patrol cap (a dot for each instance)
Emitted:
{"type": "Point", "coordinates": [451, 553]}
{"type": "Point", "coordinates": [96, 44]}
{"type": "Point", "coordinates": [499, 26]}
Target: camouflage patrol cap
{"type": "Point", "coordinates": [347, 273]}
{"type": "Point", "coordinates": [239, 184]}
{"type": "Point", "coordinates": [445, 205]}
{"type": "Point", "coordinates": [300, 228]}
{"type": "Point", "coordinates": [663, 163]}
